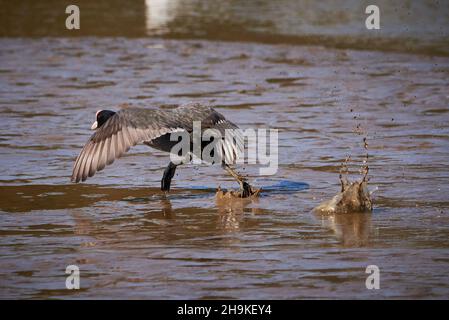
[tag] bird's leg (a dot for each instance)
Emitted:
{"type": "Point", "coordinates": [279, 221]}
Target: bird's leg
{"type": "Point", "coordinates": [245, 188]}
{"type": "Point", "coordinates": [169, 172]}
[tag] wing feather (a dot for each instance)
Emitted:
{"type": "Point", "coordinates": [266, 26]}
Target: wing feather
{"type": "Point", "coordinates": [95, 158]}
{"type": "Point", "coordinates": [111, 150]}
{"type": "Point", "coordinates": [103, 156]}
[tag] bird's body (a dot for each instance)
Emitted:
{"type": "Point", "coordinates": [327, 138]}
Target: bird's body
{"type": "Point", "coordinates": [116, 132]}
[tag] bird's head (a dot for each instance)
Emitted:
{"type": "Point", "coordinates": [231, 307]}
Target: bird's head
{"type": "Point", "coordinates": [101, 117]}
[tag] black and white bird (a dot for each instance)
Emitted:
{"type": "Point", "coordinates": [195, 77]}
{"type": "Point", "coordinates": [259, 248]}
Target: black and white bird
{"type": "Point", "coordinates": [116, 132]}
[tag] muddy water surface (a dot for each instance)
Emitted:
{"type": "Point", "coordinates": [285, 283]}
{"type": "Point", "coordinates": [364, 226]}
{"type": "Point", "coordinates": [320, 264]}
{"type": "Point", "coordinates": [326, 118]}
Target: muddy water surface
{"type": "Point", "coordinates": [132, 242]}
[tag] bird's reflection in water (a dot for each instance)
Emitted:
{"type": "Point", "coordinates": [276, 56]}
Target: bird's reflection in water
{"type": "Point", "coordinates": [166, 208]}
{"type": "Point", "coordinates": [231, 212]}
{"type": "Point", "coordinates": [83, 224]}
{"type": "Point", "coordinates": [164, 219]}
{"type": "Point", "coordinates": [352, 229]}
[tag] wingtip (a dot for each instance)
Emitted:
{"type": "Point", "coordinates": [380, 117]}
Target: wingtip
{"type": "Point", "coordinates": [74, 179]}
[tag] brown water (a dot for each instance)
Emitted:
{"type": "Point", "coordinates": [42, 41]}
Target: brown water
{"type": "Point", "coordinates": [132, 242]}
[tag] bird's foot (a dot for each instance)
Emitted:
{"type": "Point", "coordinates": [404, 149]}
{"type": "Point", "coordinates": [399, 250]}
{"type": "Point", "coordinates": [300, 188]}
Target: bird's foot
{"type": "Point", "coordinates": [246, 191]}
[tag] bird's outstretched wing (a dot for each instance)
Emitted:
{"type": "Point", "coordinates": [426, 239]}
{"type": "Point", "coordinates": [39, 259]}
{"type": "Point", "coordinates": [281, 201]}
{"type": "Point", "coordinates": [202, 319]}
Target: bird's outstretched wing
{"type": "Point", "coordinates": [128, 127]}
{"type": "Point", "coordinates": [116, 136]}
